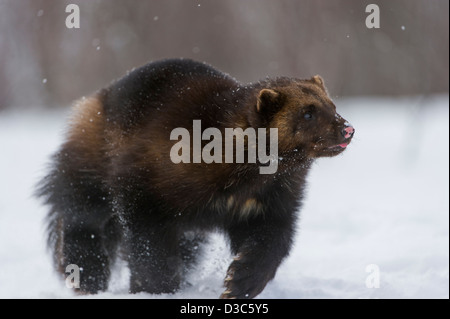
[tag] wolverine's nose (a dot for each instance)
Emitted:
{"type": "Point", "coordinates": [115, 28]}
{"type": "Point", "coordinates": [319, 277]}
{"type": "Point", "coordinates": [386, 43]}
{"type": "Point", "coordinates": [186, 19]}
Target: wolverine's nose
{"type": "Point", "coordinates": [348, 131]}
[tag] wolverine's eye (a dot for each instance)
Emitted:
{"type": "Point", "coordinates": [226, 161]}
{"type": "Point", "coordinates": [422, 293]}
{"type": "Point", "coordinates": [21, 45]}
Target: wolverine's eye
{"type": "Point", "coordinates": [308, 112]}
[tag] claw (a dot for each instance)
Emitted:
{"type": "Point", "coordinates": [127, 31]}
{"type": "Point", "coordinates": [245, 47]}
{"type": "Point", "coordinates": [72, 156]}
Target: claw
{"type": "Point", "coordinates": [237, 257]}
{"type": "Point", "coordinates": [225, 295]}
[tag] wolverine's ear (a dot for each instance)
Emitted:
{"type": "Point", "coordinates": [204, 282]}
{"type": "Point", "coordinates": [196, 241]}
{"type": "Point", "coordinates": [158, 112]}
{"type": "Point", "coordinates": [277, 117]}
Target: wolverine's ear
{"type": "Point", "coordinates": [268, 99]}
{"type": "Point", "coordinates": [317, 79]}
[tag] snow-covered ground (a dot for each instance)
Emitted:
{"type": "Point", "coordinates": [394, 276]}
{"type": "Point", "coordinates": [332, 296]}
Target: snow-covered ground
{"type": "Point", "coordinates": [384, 202]}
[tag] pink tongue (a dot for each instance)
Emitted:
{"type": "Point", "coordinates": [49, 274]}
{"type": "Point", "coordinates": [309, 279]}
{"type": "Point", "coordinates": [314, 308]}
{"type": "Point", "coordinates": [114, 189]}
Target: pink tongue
{"type": "Point", "coordinates": [343, 145]}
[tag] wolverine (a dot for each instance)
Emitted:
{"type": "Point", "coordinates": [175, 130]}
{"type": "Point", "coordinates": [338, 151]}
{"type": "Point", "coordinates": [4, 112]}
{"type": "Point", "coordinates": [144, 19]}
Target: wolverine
{"type": "Point", "coordinates": [113, 187]}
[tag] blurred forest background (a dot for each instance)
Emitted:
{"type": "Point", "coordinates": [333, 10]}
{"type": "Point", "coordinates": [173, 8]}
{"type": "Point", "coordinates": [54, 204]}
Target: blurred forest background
{"type": "Point", "coordinates": [43, 63]}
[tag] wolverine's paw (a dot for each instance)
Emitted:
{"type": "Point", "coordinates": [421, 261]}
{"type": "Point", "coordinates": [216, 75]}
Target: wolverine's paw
{"type": "Point", "coordinates": [245, 279]}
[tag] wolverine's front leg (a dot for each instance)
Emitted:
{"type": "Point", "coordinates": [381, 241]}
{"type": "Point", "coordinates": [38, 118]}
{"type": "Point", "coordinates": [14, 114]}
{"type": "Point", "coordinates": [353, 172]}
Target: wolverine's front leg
{"type": "Point", "coordinates": [259, 247]}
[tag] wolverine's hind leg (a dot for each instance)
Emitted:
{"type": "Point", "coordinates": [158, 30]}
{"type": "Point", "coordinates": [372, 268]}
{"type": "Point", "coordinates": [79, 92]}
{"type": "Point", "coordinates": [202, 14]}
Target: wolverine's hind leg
{"type": "Point", "coordinates": [82, 230]}
{"type": "Point", "coordinates": [85, 247]}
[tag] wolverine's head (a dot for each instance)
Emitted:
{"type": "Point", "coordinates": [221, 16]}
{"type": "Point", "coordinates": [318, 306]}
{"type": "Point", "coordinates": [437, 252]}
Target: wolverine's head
{"type": "Point", "coordinates": [305, 116]}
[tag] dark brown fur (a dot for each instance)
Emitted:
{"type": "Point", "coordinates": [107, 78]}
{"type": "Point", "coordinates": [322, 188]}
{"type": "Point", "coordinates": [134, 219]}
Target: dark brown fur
{"type": "Point", "coordinates": [113, 182]}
